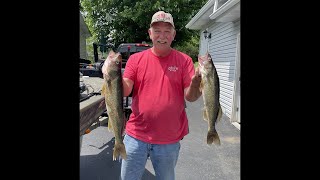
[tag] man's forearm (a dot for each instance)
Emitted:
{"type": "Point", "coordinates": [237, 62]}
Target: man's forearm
{"type": "Point", "coordinates": [127, 86]}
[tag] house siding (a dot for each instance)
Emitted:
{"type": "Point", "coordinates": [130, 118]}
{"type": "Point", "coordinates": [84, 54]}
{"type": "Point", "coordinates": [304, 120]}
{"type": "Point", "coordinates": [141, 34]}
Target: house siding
{"type": "Point", "coordinates": [83, 34]}
{"type": "Point", "coordinates": [83, 48]}
{"type": "Point", "coordinates": [222, 47]}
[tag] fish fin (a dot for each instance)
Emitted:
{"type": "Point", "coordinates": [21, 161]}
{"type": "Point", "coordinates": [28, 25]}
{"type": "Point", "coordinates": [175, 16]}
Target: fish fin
{"type": "Point", "coordinates": [219, 114]}
{"type": "Point", "coordinates": [213, 137]}
{"type": "Point", "coordinates": [205, 116]}
{"type": "Point", "coordinates": [103, 89]}
{"type": "Point", "coordinates": [201, 86]}
{"type": "Point", "coordinates": [119, 149]}
{"type": "Point", "coordinates": [110, 128]}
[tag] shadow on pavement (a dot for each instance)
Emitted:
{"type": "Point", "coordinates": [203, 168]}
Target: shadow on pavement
{"type": "Point", "coordinates": [102, 167]}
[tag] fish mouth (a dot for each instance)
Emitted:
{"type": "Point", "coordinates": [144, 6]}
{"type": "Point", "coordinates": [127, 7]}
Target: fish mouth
{"type": "Point", "coordinates": [115, 57]}
{"type": "Point", "coordinates": [201, 61]}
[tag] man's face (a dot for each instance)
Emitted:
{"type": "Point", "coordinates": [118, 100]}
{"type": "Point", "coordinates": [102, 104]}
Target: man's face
{"type": "Point", "coordinates": [162, 34]}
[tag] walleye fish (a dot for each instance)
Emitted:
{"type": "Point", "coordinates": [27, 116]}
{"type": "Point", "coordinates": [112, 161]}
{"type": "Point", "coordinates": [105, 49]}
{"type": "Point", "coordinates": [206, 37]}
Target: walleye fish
{"type": "Point", "coordinates": [113, 93]}
{"type": "Point", "coordinates": [210, 91]}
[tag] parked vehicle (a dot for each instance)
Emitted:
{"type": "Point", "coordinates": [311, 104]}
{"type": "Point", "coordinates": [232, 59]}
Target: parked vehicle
{"type": "Point", "coordinates": [127, 49]}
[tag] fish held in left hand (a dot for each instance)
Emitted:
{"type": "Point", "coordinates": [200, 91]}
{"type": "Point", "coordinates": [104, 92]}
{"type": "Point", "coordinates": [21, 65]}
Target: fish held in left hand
{"type": "Point", "coordinates": [210, 88]}
{"type": "Point", "coordinates": [113, 93]}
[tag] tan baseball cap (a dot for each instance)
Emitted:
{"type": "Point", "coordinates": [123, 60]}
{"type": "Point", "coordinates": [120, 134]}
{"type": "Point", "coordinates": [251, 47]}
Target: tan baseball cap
{"type": "Point", "coordinates": [162, 16]}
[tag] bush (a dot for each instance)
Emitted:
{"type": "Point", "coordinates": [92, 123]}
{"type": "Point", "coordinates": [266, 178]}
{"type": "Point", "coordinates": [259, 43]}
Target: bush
{"type": "Point", "coordinates": [190, 48]}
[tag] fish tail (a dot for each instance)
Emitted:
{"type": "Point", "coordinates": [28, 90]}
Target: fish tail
{"type": "Point", "coordinates": [119, 149]}
{"type": "Point", "coordinates": [213, 137]}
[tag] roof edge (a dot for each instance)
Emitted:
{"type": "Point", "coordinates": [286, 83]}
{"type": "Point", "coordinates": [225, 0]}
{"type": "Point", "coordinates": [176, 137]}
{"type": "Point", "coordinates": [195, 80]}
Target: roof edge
{"type": "Point", "coordinates": [202, 11]}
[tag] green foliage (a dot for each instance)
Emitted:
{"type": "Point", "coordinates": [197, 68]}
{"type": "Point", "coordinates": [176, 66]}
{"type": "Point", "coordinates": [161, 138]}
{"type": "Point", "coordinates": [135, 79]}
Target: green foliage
{"type": "Point", "coordinates": [128, 20]}
{"type": "Point", "coordinates": [190, 47]}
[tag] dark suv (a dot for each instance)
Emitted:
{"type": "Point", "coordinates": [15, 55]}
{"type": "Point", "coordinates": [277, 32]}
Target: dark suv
{"type": "Point", "coordinates": [127, 49]}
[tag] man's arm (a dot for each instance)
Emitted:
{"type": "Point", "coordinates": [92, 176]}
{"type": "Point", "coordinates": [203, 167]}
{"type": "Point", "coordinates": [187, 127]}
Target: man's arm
{"type": "Point", "coordinates": [192, 93]}
{"type": "Point", "coordinates": [127, 86]}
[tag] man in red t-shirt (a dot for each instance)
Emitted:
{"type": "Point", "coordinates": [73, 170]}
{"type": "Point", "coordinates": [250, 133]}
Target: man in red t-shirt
{"type": "Point", "coordinates": [161, 79]}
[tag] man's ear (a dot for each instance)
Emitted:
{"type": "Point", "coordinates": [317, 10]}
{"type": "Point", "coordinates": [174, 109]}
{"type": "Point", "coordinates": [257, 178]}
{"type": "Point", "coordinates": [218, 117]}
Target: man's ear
{"type": "Point", "coordinates": [150, 33]}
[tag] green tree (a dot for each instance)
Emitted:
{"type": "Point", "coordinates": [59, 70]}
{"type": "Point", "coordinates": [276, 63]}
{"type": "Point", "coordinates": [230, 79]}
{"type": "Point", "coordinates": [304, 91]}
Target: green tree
{"type": "Point", "coordinates": [190, 47]}
{"type": "Point", "coordinates": [128, 20]}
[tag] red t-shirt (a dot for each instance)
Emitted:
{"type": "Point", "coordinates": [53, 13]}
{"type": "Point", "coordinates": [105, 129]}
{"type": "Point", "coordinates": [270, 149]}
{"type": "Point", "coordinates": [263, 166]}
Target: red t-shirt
{"type": "Point", "coordinates": [158, 107]}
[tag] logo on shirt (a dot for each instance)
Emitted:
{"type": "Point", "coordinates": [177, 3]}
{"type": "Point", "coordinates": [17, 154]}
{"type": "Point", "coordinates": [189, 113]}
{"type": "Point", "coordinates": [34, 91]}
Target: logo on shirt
{"type": "Point", "coordinates": [173, 68]}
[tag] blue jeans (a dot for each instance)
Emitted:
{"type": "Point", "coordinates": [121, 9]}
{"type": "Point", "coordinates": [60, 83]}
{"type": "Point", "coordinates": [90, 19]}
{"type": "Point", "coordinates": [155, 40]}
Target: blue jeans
{"type": "Point", "coordinates": [163, 157]}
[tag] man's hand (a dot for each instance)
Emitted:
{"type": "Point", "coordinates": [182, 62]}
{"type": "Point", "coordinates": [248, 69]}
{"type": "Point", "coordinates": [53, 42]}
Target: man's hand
{"type": "Point", "coordinates": [193, 91]}
{"type": "Point", "coordinates": [196, 79]}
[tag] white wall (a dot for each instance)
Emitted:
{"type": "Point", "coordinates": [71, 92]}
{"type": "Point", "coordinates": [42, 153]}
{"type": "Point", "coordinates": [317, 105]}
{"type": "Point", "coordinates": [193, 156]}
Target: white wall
{"type": "Point", "coordinates": [83, 35]}
{"type": "Point", "coordinates": [83, 48]}
{"type": "Point", "coordinates": [222, 48]}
